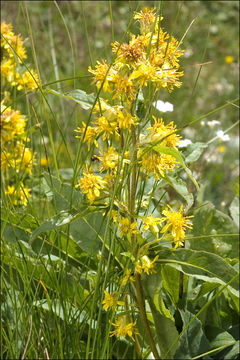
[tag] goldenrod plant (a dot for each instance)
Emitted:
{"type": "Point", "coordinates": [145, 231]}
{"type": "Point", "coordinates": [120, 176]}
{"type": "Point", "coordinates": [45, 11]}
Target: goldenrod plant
{"type": "Point", "coordinates": [110, 248]}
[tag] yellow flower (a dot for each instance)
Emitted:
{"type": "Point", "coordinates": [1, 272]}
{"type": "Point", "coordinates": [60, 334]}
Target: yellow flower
{"type": "Point", "coordinates": [160, 131]}
{"type": "Point", "coordinates": [100, 75]}
{"type": "Point", "coordinates": [221, 148]}
{"type": "Point", "coordinates": [156, 163]}
{"type": "Point", "coordinates": [125, 119]}
{"type": "Point", "coordinates": [150, 223]}
{"type": "Point", "coordinates": [127, 53]}
{"type": "Point", "coordinates": [109, 159]}
{"type": "Point", "coordinates": [144, 73]}
{"type": "Point", "coordinates": [91, 185]}
{"type": "Point", "coordinates": [229, 59]}
{"type": "Point", "coordinates": [178, 224]}
{"type": "Point", "coordinates": [126, 227]}
{"type": "Point", "coordinates": [124, 87]}
{"type": "Point", "coordinates": [90, 135]}
{"type": "Point", "coordinates": [127, 277]}
{"type": "Point", "coordinates": [11, 42]}
{"type": "Point", "coordinates": [145, 265]}
{"type": "Point", "coordinates": [27, 80]}
{"type": "Point", "coordinates": [12, 123]}
{"type": "Point", "coordinates": [105, 127]}
{"type": "Point", "coordinates": [123, 327]}
{"type": "Point", "coordinates": [8, 70]}
{"type": "Point", "coordinates": [44, 161]}
{"type": "Point", "coordinates": [146, 18]}
{"type": "Point", "coordinates": [19, 195]}
{"type": "Point", "coordinates": [110, 301]}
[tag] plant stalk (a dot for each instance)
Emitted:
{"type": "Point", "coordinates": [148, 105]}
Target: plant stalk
{"type": "Point", "coordinates": [142, 310]}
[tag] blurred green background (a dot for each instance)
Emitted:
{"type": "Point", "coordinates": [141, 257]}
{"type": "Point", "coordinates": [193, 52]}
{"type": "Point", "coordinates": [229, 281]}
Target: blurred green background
{"type": "Point", "coordinates": [63, 38]}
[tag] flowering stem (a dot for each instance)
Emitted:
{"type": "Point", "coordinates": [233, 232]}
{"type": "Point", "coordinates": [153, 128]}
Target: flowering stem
{"type": "Point", "coordinates": [142, 310]}
{"type": "Point", "coordinates": [139, 291]}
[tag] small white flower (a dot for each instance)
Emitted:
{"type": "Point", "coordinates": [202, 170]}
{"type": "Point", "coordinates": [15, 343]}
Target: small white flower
{"type": "Point", "coordinates": [163, 106]}
{"type": "Point", "coordinates": [212, 123]}
{"type": "Point", "coordinates": [222, 136]}
{"type": "Point", "coordinates": [184, 142]}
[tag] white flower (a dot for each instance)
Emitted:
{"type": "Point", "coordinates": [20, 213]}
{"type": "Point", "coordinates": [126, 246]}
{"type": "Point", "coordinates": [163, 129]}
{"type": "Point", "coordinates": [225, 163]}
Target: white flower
{"type": "Point", "coordinates": [212, 123]}
{"type": "Point", "coordinates": [222, 136]}
{"type": "Point", "coordinates": [184, 142]}
{"type": "Point", "coordinates": [163, 106]}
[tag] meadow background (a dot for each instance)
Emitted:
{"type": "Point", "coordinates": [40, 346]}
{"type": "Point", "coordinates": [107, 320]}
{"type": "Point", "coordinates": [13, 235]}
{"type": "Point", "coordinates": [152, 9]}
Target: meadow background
{"type": "Point", "coordinates": [62, 39]}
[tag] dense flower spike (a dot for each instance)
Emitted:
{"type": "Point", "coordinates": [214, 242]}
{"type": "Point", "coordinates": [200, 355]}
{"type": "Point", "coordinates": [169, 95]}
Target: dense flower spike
{"type": "Point", "coordinates": [12, 54]}
{"type": "Point", "coordinates": [16, 156]}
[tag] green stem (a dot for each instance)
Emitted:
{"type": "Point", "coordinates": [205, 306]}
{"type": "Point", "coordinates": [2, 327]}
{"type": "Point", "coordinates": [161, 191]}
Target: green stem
{"type": "Point", "coordinates": [139, 291]}
{"type": "Point", "coordinates": [142, 310]}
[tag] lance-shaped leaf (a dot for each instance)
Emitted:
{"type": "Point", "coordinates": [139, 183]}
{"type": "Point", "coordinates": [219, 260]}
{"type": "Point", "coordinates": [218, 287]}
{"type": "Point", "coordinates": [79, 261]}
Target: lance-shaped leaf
{"type": "Point", "coordinates": [79, 96]}
{"type": "Point", "coordinates": [202, 265]}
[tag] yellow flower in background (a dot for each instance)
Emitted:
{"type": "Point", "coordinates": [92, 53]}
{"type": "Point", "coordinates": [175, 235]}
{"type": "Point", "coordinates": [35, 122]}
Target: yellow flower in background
{"type": "Point", "coordinates": [27, 80]}
{"type": "Point", "coordinates": [177, 223]}
{"type": "Point", "coordinates": [221, 148]}
{"type": "Point", "coordinates": [150, 223]}
{"type": "Point", "coordinates": [229, 59]}
{"type": "Point", "coordinates": [91, 185]}
{"type": "Point", "coordinates": [13, 123]}
{"type": "Point", "coordinates": [128, 277]}
{"type": "Point", "coordinates": [145, 265]}
{"type": "Point", "coordinates": [12, 43]}
{"type": "Point", "coordinates": [123, 327]}
{"type": "Point", "coordinates": [19, 195]}
{"type": "Point", "coordinates": [126, 227]}
{"type": "Point", "coordinates": [43, 161]}
{"type": "Point", "coordinates": [110, 301]}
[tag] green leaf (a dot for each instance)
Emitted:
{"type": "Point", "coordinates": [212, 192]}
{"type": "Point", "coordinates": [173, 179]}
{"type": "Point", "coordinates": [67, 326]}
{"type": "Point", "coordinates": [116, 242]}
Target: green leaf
{"type": "Point", "coordinates": [170, 280]}
{"type": "Point", "coordinates": [233, 353]}
{"type": "Point", "coordinates": [218, 337]}
{"type": "Point", "coordinates": [234, 210]}
{"type": "Point", "coordinates": [166, 331]}
{"type": "Point", "coordinates": [193, 152]}
{"type": "Point", "coordinates": [202, 265]}
{"type": "Point", "coordinates": [79, 96]}
{"type": "Point", "coordinates": [88, 231]}
{"type": "Point", "coordinates": [208, 225]}
{"type": "Point", "coordinates": [62, 218]}
{"type": "Point", "coordinates": [165, 327]}
{"type": "Point", "coordinates": [175, 153]}
{"type": "Point", "coordinates": [61, 192]}
{"type": "Point", "coordinates": [193, 342]}
{"type": "Point", "coordinates": [181, 188]}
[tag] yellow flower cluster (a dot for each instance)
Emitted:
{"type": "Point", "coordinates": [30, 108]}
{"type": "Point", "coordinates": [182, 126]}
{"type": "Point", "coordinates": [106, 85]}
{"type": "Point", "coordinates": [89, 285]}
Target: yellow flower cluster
{"type": "Point", "coordinates": [148, 57]}
{"type": "Point", "coordinates": [13, 53]}
{"type": "Point", "coordinates": [16, 156]}
{"type": "Point", "coordinates": [152, 161]}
